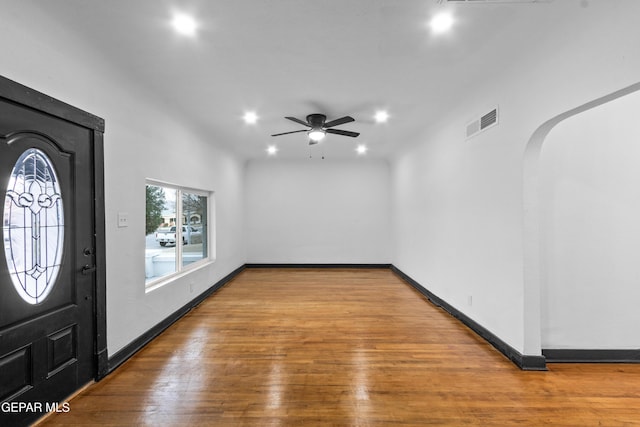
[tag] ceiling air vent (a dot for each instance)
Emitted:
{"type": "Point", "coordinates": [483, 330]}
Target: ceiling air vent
{"type": "Point", "coordinates": [482, 123]}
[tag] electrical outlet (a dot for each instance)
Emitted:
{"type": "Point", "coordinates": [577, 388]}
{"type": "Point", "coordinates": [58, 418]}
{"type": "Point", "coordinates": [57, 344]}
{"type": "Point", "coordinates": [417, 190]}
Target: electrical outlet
{"type": "Point", "coordinates": [191, 285]}
{"type": "Point", "coordinates": [123, 219]}
{"type": "Point", "coordinates": [470, 300]}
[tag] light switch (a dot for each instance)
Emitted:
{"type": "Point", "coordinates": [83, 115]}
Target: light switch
{"type": "Point", "coordinates": [123, 219]}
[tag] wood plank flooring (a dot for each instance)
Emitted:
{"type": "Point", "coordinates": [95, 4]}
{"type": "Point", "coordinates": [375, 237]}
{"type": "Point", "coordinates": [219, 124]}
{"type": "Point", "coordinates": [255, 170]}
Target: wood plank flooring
{"type": "Point", "coordinates": [341, 347]}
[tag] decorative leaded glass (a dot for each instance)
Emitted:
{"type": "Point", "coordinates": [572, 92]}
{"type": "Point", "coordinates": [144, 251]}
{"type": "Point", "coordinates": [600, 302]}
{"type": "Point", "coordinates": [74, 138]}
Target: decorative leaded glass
{"type": "Point", "coordinates": [33, 226]}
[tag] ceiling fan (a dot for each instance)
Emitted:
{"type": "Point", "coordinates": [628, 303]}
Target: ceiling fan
{"type": "Point", "coordinates": [319, 127]}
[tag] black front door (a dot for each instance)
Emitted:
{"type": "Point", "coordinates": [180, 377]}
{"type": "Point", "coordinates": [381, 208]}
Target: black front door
{"type": "Point", "coordinates": [47, 263]}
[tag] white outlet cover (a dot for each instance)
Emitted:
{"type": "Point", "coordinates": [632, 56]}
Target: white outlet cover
{"type": "Point", "coordinates": [123, 219]}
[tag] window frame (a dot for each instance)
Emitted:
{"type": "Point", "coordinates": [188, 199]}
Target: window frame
{"type": "Point", "coordinates": [180, 269]}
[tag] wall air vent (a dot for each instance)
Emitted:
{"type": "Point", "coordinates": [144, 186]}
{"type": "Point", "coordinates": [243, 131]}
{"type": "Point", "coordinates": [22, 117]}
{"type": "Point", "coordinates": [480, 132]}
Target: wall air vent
{"type": "Point", "coordinates": [482, 123]}
{"type": "Point", "coordinates": [491, 118]}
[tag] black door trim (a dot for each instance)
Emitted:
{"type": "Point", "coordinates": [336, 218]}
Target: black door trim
{"type": "Point", "coordinates": [23, 95]}
{"type": "Point", "coordinates": [15, 92]}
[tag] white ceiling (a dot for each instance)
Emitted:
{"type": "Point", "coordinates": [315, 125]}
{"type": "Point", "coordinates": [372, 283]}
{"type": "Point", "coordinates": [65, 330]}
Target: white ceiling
{"type": "Point", "coordinates": [296, 57]}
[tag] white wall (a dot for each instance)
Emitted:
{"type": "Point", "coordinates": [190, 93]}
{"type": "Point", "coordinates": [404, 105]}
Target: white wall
{"type": "Point", "coordinates": [142, 136]}
{"type": "Point", "coordinates": [458, 204]}
{"type": "Point", "coordinates": [318, 211]}
{"type": "Point", "coordinates": [590, 229]}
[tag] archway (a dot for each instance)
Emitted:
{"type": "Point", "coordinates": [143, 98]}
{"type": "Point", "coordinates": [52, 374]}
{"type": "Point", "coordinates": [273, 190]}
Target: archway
{"type": "Point", "coordinates": [531, 227]}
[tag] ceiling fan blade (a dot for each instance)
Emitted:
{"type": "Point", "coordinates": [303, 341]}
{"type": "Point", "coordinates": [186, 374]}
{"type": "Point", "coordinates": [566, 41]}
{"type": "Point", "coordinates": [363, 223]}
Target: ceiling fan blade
{"type": "Point", "coordinates": [343, 132]}
{"type": "Point", "coordinates": [340, 121]}
{"type": "Point", "coordinates": [303, 123]}
{"type": "Point", "coordinates": [287, 133]}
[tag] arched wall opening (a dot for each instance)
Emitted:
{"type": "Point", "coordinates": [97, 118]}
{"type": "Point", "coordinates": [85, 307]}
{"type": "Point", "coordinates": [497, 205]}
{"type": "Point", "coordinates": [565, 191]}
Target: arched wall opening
{"type": "Point", "coordinates": [549, 325]}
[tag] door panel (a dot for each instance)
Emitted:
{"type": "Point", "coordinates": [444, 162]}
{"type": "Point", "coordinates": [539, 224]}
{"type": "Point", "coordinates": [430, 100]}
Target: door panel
{"type": "Point", "coordinates": [46, 345]}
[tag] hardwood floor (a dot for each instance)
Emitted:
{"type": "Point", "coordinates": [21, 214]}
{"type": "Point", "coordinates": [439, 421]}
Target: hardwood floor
{"type": "Point", "coordinates": [319, 347]}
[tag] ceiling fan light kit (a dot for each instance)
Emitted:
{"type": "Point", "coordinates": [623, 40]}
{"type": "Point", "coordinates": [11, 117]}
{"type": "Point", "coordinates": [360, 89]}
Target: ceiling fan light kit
{"type": "Point", "coordinates": [316, 135]}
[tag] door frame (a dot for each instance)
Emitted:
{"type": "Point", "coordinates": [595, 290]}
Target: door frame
{"type": "Point", "coordinates": [22, 95]}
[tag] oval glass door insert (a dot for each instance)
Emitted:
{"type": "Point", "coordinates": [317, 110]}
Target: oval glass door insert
{"type": "Point", "coordinates": [33, 226]}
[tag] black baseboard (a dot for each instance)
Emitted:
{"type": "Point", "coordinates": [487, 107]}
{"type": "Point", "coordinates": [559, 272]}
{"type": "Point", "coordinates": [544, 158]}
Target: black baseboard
{"type": "Point", "coordinates": [591, 356]}
{"type": "Point", "coordinates": [125, 353]}
{"type": "Point", "coordinates": [317, 265]}
{"type": "Point", "coordinates": [524, 362]}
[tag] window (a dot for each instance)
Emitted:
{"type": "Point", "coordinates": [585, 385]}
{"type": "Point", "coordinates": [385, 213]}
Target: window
{"type": "Point", "coordinates": [176, 230]}
{"type": "Point", "coordinates": [33, 226]}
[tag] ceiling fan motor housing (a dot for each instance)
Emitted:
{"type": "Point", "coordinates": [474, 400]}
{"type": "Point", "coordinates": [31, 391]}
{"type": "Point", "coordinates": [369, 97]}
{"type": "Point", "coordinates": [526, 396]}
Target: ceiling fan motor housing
{"type": "Point", "coordinates": [316, 121]}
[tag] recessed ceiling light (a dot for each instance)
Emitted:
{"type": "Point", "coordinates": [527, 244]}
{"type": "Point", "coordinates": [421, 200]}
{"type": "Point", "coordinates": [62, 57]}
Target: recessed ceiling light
{"type": "Point", "coordinates": [250, 117]}
{"type": "Point", "coordinates": [361, 149]}
{"type": "Point", "coordinates": [381, 116]}
{"type": "Point", "coordinates": [184, 24]}
{"type": "Point", "coordinates": [441, 23]}
{"type": "Point", "coordinates": [272, 150]}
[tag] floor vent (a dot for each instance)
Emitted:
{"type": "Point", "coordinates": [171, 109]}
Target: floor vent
{"type": "Point", "coordinates": [482, 123]}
